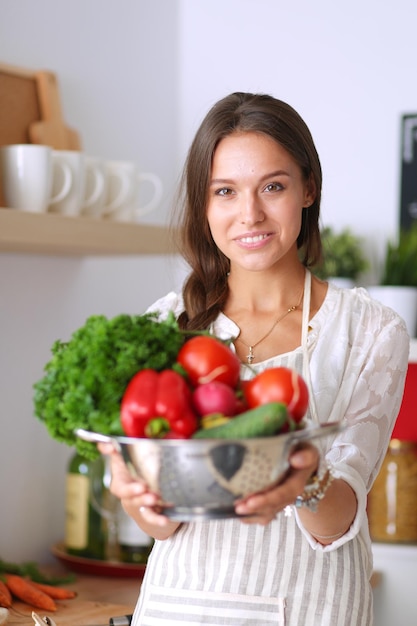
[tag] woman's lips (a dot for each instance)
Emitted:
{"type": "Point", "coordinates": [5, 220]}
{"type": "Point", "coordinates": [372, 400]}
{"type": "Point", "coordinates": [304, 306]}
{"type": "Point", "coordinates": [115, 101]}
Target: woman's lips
{"type": "Point", "coordinates": [253, 239]}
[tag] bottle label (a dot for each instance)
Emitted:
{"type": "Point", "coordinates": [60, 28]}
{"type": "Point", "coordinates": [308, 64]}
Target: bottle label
{"type": "Point", "coordinates": [129, 533]}
{"type": "Point", "coordinates": [76, 511]}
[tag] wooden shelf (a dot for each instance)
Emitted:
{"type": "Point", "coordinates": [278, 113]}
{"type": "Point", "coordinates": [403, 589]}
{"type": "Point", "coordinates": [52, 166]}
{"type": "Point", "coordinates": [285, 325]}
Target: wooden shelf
{"type": "Point", "coordinates": [47, 233]}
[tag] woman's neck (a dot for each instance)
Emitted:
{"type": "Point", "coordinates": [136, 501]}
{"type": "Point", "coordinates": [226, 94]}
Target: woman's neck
{"type": "Point", "coordinates": [264, 291]}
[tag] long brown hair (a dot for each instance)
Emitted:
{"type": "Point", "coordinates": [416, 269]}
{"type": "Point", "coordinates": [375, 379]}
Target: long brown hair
{"type": "Point", "coordinates": [205, 290]}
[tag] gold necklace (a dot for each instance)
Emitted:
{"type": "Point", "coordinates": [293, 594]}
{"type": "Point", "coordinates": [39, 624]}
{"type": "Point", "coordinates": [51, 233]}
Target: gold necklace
{"type": "Point", "coordinates": [250, 356]}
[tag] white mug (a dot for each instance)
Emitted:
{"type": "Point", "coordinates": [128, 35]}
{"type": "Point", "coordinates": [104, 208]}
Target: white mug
{"type": "Point", "coordinates": [125, 180]}
{"type": "Point", "coordinates": [27, 175]}
{"type": "Point", "coordinates": [77, 200]}
{"type": "Point", "coordinates": [95, 187]}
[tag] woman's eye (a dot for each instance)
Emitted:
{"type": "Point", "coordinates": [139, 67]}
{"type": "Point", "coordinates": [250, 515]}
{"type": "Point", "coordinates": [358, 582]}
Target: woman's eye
{"type": "Point", "coordinates": [224, 191]}
{"type": "Point", "coordinates": [273, 187]}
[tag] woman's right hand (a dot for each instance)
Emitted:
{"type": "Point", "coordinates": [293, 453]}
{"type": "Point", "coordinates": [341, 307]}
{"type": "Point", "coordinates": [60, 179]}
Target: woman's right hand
{"type": "Point", "coordinates": [140, 504]}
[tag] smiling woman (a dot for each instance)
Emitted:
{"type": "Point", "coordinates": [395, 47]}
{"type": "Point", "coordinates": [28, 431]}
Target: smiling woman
{"type": "Point", "coordinates": [300, 552]}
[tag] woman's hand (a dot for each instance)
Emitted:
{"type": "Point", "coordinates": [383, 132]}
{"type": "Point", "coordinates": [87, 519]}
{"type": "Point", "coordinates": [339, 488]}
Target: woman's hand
{"type": "Point", "coordinates": [264, 506]}
{"type": "Point", "coordinates": [139, 503]}
{"type": "Point", "coordinates": [335, 512]}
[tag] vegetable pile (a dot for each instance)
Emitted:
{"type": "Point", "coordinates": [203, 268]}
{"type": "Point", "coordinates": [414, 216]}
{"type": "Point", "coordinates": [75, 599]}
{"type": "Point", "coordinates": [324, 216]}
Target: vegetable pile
{"type": "Point", "coordinates": [141, 377]}
{"type": "Point", "coordinates": [203, 396]}
{"type": "Point", "coordinates": [27, 583]}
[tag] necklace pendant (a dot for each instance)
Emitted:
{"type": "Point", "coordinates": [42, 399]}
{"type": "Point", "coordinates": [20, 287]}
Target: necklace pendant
{"type": "Point", "coordinates": [250, 356]}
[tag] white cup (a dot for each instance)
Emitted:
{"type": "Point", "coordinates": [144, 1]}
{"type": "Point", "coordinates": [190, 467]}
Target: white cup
{"type": "Point", "coordinates": [95, 187]}
{"type": "Point", "coordinates": [27, 175]}
{"type": "Point", "coordinates": [125, 181]}
{"type": "Point", "coordinates": [77, 200]}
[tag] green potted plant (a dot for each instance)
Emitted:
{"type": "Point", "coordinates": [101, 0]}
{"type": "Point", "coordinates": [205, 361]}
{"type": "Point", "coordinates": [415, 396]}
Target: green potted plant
{"type": "Point", "coordinates": [400, 266]}
{"type": "Point", "coordinates": [398, 284]}
{"type": "Point", "coordinates": [343, 257]}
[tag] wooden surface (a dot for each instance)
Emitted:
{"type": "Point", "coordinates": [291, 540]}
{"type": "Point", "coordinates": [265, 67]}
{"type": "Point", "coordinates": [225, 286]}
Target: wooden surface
{"type": "Point", "coordinates": [48, 233]}
{"type": "Point", "coordinates": [51, 129]}
{"type": "Point", "coordinates": [19, 104]}
{"type": "Point", "coordinates": [98, 599]}
{"type": "Point", "coordinates": [31, 110]}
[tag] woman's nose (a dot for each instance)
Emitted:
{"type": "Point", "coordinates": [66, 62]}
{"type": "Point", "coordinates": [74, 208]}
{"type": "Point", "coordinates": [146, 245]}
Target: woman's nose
{"type": "Point", "coordinates": [251, 211]}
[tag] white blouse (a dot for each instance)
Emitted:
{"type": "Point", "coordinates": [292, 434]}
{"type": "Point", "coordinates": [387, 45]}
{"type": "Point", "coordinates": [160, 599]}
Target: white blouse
{"type": "Point", "coordinates": [226, 572]}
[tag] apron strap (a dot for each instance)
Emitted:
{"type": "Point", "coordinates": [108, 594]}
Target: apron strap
{"type": "Point", "coordinates": [304, 336]}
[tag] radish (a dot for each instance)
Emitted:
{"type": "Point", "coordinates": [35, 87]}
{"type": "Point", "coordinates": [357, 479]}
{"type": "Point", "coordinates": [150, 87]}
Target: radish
{"type": "Point", "coordinates": [215, 397]}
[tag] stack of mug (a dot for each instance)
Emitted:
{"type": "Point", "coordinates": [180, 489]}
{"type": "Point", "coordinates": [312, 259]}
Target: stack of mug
{"type": "Point", "coordinates": [39, 179]}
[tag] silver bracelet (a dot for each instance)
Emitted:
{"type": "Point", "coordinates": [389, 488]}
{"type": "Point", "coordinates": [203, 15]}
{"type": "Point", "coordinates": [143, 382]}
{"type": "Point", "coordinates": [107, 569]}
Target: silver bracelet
{"type": "Point", "coordinates": [335, 536]}
{"type": "Point", "coordinates": [314, 491]}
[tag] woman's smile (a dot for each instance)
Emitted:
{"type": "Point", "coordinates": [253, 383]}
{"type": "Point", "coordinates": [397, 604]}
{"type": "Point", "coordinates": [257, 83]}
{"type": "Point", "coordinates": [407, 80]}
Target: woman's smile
{"type": "Point", "coordinates": [253, 240]}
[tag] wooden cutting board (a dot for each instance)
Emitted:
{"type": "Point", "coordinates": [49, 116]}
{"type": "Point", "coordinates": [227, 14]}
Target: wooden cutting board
{"type": "Point", "coordinates": [71, 613]}
{"type": "Point", "coordinates": [98, 599]}
{"type": "Point", "coordinates": [51, 130]}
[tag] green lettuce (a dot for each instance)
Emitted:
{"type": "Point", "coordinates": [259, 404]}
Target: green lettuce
{"type": "Point", "coordinates": [86, 377]}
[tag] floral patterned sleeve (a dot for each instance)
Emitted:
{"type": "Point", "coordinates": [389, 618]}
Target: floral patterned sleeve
{"type": "Point", "coordinates": [369, 375]}
{"type": "Point", "coordinates": [170, 302]}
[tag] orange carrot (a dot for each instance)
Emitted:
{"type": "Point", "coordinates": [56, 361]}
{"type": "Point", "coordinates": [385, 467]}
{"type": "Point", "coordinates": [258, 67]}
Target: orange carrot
{"type": "Point", "coordinates": [58, 593]}
{"type": "Point", "coordinates": [28, 593]}
{"type": "Point", "coordinates": [5, 596]}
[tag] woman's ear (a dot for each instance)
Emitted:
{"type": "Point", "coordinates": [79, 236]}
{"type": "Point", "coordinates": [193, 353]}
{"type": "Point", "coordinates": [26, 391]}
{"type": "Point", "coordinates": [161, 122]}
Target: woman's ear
{"type": "Point", "coordinates": [310, 192]}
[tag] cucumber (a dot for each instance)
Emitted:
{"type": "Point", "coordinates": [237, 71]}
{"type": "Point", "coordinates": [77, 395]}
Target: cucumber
{"type": "Point", "coordinates": [263, 421]}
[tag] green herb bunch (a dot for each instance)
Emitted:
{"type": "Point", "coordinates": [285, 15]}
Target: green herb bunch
{"type": "Point", "coordinates": [85, 379]}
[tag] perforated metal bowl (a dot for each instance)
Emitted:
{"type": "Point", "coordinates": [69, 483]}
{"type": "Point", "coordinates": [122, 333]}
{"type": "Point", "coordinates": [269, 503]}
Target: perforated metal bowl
{"type": "Point", "coordinates": [202, 478]}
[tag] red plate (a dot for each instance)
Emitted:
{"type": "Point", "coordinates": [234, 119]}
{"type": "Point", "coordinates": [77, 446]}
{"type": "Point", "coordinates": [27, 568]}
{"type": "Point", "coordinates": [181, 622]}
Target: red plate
{"type": "Point", "coordinates": [95, 567]}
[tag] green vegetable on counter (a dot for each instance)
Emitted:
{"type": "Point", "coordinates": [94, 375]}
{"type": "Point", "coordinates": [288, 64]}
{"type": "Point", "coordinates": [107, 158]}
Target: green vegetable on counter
{"type": "Point", "coordinates": [31, 570]}
{"type": "Point", "coordinates": [87, 376]}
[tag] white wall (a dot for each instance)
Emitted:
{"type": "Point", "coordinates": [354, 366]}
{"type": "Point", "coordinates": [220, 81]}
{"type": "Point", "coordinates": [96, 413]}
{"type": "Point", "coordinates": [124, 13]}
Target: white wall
{"type": "Point", "coordinates": [347, 68]}
{"type": "Point", "coordinates": [136, 77]}
{"type": "Point", "coordinates": [116, 66]}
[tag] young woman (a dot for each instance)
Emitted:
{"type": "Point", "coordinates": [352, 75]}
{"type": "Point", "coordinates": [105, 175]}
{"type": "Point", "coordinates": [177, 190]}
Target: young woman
{"type": "Point", "coordinates": [250, 233]}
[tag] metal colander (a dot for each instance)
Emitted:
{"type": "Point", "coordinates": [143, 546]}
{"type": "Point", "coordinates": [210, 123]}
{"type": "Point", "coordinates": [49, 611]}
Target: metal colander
{"type": "Point", "coordinates": [202, 478]}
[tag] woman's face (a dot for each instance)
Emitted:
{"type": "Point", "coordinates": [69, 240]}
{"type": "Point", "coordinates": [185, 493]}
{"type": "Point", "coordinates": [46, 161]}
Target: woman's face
{"type": "Point", "coordinates": [256, 197]}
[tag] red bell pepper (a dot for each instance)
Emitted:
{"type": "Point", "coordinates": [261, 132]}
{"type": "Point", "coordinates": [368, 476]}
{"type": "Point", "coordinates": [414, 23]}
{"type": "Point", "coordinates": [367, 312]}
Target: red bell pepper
{"type": "Point", "coordinates": [158, 404]}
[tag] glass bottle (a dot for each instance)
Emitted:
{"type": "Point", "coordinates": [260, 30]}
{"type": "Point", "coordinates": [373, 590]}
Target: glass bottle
{"type": "Point", "coordinates": [134, 544]}
{"type": "Point", "coordinates": [85, 532]}
{"type": "Point", "coordinates": [393, 498]}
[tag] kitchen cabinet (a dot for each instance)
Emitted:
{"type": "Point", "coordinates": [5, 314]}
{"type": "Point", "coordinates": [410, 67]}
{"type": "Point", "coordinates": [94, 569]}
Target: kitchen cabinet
{"type": "Point", "coordinates": [48, 233]}
{"type": "Point", "coordinates": [394, 597]}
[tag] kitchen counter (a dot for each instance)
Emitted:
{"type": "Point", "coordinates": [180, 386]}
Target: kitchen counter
{"type": "Point", "coordinates": [98, 599]}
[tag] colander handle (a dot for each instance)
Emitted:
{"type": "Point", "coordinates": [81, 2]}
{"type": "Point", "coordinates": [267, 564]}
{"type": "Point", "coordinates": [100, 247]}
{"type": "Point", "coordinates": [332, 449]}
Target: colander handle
{"type": "Point", "coordinates": [88, 435]}
{"type": "Point", "coordinates": [316, 432]}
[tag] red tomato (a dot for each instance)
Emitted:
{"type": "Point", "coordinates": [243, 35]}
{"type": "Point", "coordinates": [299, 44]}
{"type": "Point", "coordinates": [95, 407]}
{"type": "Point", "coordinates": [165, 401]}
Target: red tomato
{"type": "Point", "coordinates": [278, 384]}
{"type": "Point", "coordinates": [205, 359]}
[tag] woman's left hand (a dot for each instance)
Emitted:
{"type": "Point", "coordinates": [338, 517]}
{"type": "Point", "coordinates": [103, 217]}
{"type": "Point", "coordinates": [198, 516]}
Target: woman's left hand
{"type": "Point", "coordinates": [263, 507]}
